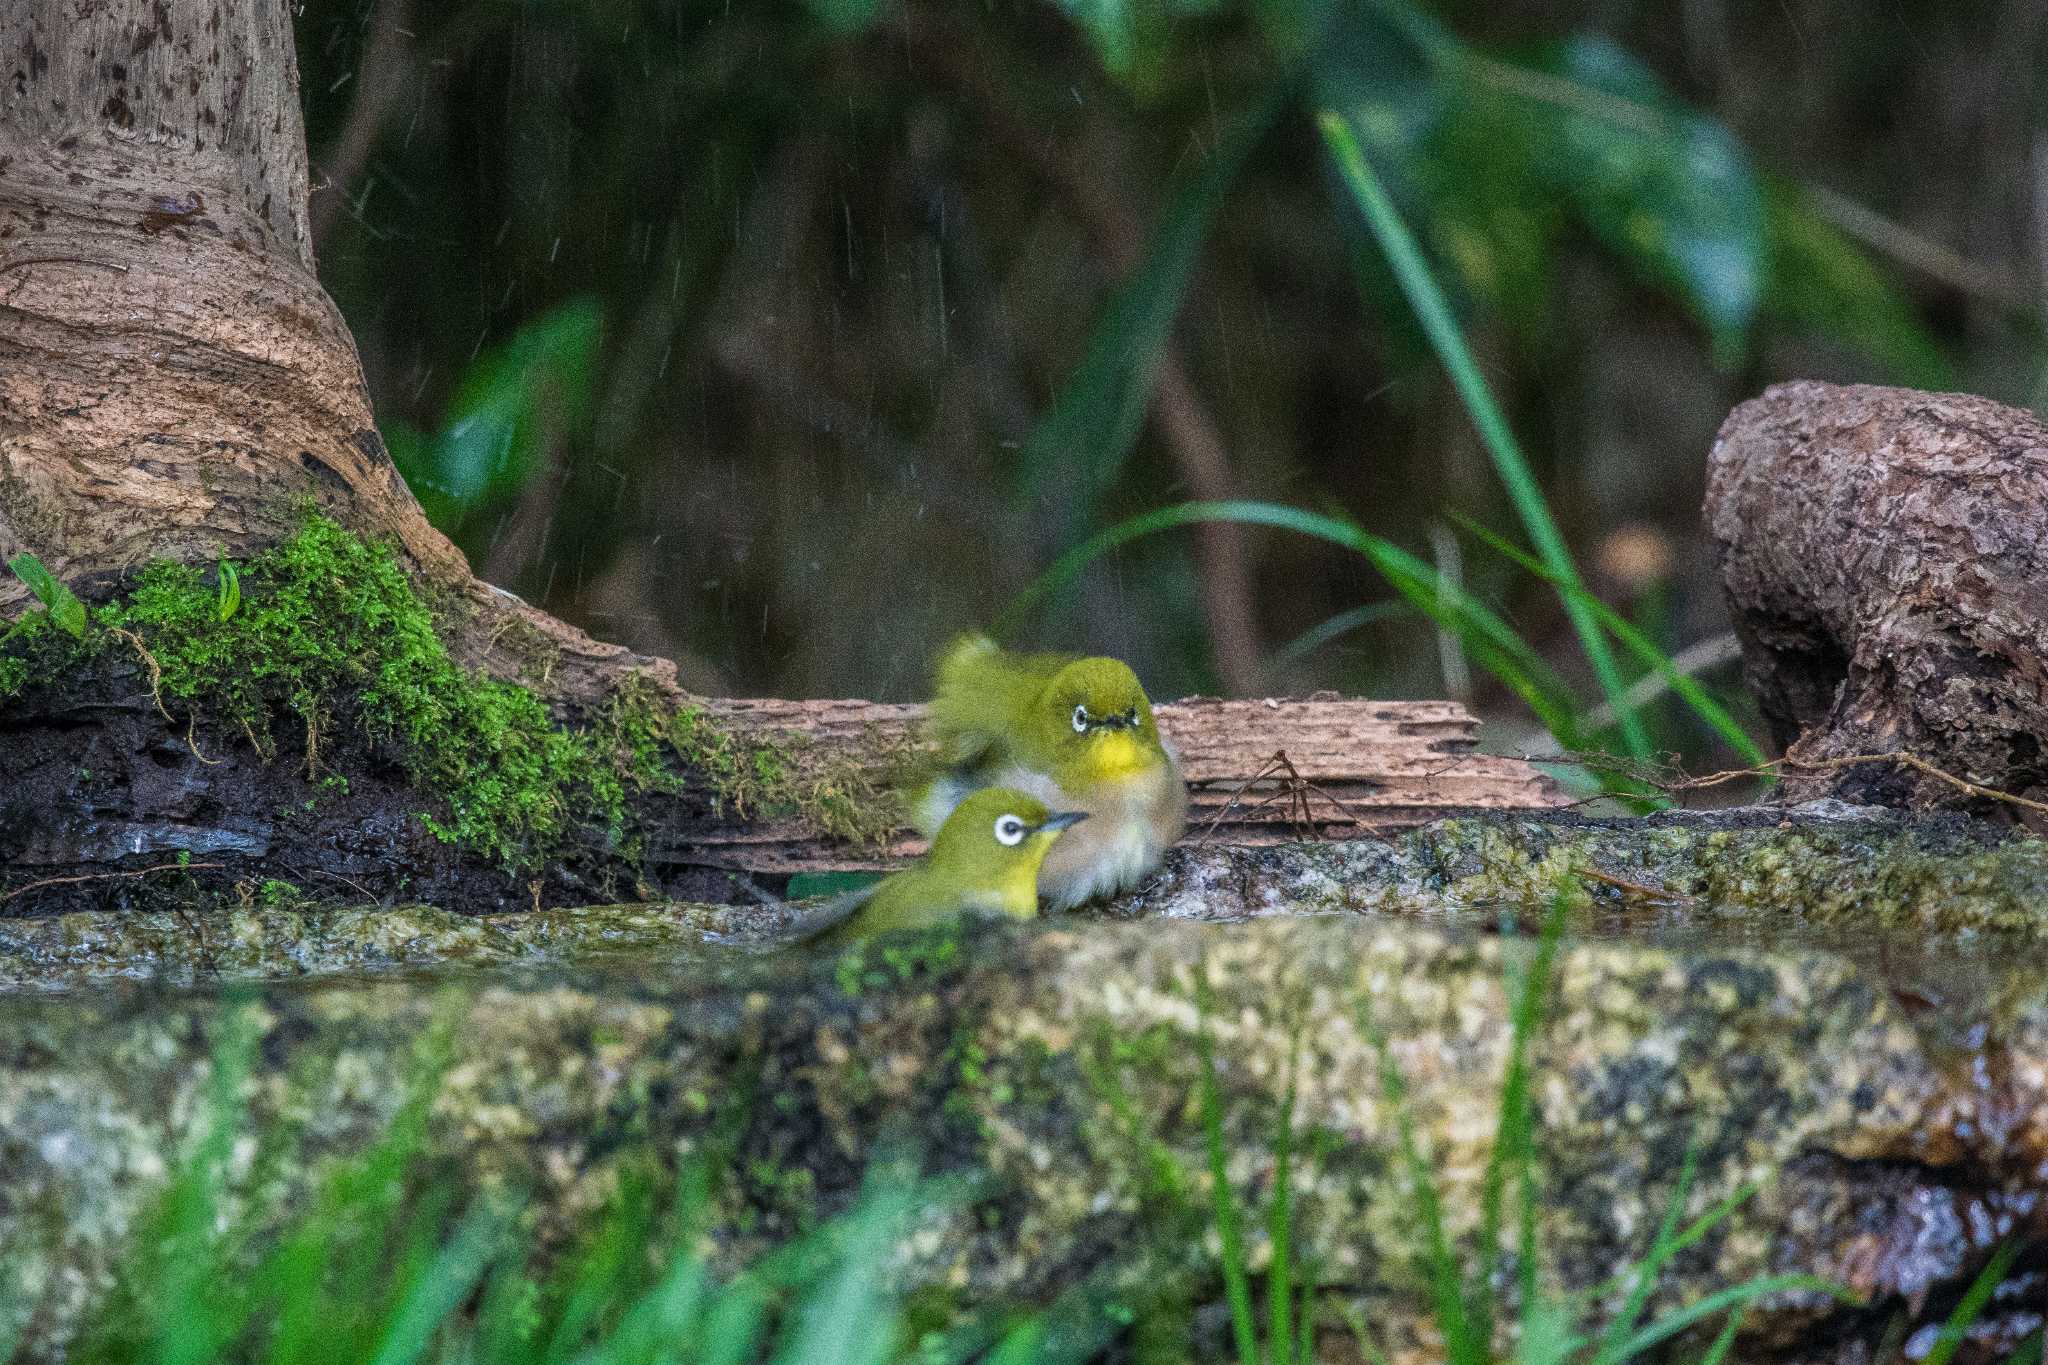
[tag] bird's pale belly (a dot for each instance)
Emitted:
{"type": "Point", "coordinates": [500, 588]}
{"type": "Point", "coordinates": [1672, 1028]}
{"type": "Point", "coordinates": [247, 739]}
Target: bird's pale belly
{"type": "Point", "coordinates": [1130, 825]}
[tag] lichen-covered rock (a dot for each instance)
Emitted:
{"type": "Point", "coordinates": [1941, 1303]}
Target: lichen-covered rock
{"type": "Point", "coordinates": [1858, 880]}
{"type": "Point", "coordinates": [1059, 1062]}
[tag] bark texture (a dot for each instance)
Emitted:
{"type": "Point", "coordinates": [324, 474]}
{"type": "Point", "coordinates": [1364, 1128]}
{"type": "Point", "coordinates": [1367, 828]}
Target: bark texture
{"type": "Point", "coordinates": [172, 376]}
{"type": "Point", "coordinates": [1351, 767]}
{"type": "Point", "coordinates": [1885, 554]}
{"type": "Point", "coordinates": [174, 382]}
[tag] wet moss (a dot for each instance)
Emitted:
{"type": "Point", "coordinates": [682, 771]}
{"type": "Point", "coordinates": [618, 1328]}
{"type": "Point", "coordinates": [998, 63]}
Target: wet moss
{"type": "Point", "coordinates": [839, 796]}
{"type": "Point", "coordinates": [329, 638]}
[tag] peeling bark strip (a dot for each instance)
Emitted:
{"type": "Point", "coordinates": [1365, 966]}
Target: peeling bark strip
{"type": "Point", "coordinates": [1363, 766]}
{"type": "Point", "coordinates": [1885, 554]}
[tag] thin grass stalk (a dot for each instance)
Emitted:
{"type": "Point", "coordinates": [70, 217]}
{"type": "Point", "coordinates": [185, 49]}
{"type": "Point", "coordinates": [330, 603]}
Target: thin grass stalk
{"type": "Point", "coordinates": [1971, 1304]}
{"type": "Point", "coordinates": [1638, 644]}
{"type": "Point", "coordinates": [1426, 297]}
{"type": "Point", "coordinates": [1280, 1216]}
{"type": "Point", "coordinates": [1236, 1267]}
{"type": "Point", "coordinates": [1514, 1134]}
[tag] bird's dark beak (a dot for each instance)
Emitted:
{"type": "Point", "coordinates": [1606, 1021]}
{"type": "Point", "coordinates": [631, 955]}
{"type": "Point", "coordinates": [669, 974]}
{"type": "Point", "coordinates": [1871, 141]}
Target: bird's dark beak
{"type": "Point", "coordinates": [1066, 819]}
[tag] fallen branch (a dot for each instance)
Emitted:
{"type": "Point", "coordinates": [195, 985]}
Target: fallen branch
{"type": "Point", "coordinates": [1354, 767]}
{"type": "Point", "coordinates": [27, 887]}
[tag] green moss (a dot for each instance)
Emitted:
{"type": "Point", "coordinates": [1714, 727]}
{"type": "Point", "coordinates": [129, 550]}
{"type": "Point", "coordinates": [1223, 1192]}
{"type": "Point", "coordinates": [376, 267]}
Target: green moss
{"type": "Point", "coordinates": [331, 632]}
{"type": "Point", "coordinates": [34, 650]}
{"type": "Point", "coordinates": [331, 636]}
{"type": "Point", "coordinates": [836, 796]}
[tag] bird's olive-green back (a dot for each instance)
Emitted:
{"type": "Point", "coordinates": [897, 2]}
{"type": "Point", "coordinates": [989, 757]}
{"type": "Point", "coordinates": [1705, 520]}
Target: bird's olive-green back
{"type": "Point", "coordinates": [967, 868]}
{"type": "Point", "coordinates": [993, 705]}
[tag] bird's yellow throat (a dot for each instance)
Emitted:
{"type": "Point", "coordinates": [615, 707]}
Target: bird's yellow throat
{"type": "Point", "coordinates": [1117, 755]}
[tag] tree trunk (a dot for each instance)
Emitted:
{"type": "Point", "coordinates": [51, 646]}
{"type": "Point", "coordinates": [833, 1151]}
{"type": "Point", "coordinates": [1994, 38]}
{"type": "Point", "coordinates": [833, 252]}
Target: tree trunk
{"type": "Point", "coordinates": [1883, 552]}
{"type": "Point", "coordinates": [173, 379]}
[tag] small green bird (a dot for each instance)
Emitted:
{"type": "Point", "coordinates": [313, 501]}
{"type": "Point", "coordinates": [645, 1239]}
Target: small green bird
{"type": "Point", "coordinates": [985, 858]}
{"type": "Point", "coordinates": [1076, 733]}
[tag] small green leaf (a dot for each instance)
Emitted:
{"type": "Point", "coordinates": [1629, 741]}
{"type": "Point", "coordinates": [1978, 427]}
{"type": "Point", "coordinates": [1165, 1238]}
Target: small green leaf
{"type": "Point", "coordinates": [230, 591]}
{"type": "Point", "coordinates": [512, 403]}
{"type": "Point", "coordinates": [805, 885]}
{"type": "Point", "coordinates": [64, 608]}
{"type": "Point", "coordinates": [845, 18]}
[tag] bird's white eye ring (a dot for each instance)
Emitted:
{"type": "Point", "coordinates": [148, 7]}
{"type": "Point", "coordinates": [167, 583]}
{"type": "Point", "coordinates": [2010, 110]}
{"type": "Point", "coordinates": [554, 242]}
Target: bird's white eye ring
{"type": "Point", "coordinates": [1080, 720]}
{"type": "Point", "coordinates": [1009, 831]}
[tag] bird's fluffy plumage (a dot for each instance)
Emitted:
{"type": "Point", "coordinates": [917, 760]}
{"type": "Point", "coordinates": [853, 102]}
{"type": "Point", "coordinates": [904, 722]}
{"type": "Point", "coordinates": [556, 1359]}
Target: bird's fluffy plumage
{"type": "Point", "coordinates": [985, 859]}
{"type": "Point", "coordinates": [1077, 733]}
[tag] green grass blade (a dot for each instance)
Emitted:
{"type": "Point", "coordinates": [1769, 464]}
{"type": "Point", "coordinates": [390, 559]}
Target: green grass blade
{"type": "Point", "coordinates": [1280, 1217]}
{"type": "Point", "coordinates": [1434, 312]}
{"type": "Point", "coordinates": [1493, 642]}
{"type": "Point", "coordinates": [1462, 1344]}
{"type": "Point", "coordinates": [1725, 1342]}
{"type": "Point", "coordinates": [1637, 643]}
{"type": "Point", "coordinates": [1021, 1345]}
{"type": "Point", "coordinates": [1099, 410]}
{"type": "Point", "coordinates": [1694, 1231]}
{"type": "Point", "coordinates": [2028, 1352]}
{"type": "Point", "coordinates": [732, 1329]}
{"type": "Point", "coordinates": [1514, 1140]}
{"type": "Point", "coordinates": [846, 1318]}
{"type": "Point", "coordinates": [601, 1268]}
{"type": "Point", "coordinates": [1971, 1304]}
{"type": "Point", "coordinates": [441, 1289]}
{"type": "Point", "coordinates": [1336, 627]}
{"type": "Point", "coordinates": [1644, 1276]}
{"type": "Point", "coordinates": [1223, 1206]}
{"type": "Point", "coordinates": [1361, 1333]}
{"type": "Point", "coordinates": [1664, 1328]}
{"type": "Point", "coordinates": [196, 1306]}
{"type": "Point", "coordinates": [1305, 1317]}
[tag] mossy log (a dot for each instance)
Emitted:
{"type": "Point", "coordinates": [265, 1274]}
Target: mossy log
{"type": "Point", "coordinates": [315, 726]}
{"type": "Point", "coordinates": [1056, 1063]}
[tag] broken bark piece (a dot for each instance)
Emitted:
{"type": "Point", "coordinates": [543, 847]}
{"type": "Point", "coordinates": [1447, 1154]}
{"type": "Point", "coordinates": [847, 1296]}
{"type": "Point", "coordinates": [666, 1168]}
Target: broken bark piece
{"type": "Point", "coordinates": [1352, 767]}
{"type": "Point", "coordinates": [1885, 554]}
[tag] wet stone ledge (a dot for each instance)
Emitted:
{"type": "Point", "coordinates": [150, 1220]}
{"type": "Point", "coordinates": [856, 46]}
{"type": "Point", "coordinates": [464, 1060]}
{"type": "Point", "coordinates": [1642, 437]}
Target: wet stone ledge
{"type": "Point", "coordinates": [1895, 1119]}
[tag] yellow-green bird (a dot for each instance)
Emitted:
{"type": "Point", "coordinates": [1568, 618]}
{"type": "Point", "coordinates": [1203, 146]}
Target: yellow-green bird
{"type": "Point", "coordinates": [985, 859]}
{"type": "Point", "coordinates": [1078, 734]}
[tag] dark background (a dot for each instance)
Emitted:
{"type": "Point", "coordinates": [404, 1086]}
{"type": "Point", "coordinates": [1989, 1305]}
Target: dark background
{"type": "Point", "coordinates": [723, 330]}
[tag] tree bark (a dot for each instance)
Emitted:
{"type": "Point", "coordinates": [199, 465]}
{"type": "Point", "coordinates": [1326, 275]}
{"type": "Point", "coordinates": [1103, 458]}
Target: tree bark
{"type": "Point", "coordinates": [173, 379]}
{"type": "Point", "coordinates": [1258, 772]}
{"type": "Point", "coordinates": [1886, 566]}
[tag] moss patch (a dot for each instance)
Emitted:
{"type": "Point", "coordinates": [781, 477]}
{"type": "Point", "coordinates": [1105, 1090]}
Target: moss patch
{"type": "Point", "coordinates": [328, 637]}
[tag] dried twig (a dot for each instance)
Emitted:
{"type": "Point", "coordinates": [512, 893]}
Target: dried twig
{"type": "Point", "coordinates": [1295, 791]}
{"type": "Point", "coordinates": [27, 887]}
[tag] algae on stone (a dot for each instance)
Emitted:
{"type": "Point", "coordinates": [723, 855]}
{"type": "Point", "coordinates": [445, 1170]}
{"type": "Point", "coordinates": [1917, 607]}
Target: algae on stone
{"type": "Point", "coordinates": [1055, 1064]}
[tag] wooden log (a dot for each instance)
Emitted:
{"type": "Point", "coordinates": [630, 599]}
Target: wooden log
{"type": "Point", "coordinates": [1352, 767]}
{"type": "Point", "coordinates": [1885, 553]}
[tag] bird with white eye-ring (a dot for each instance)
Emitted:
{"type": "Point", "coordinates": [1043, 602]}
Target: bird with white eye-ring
{"type": "Point", "coordinates": [985, 860]}
{"type": "Point", "coordinates": [1076, 733]}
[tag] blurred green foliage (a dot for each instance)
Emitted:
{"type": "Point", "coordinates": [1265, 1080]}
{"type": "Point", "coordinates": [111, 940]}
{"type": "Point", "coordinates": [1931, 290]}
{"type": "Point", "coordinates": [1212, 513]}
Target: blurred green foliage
{"type": "Point", "coordinates": [512, 401]}
{"type": "Point", "coordinates": [789, 340]}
